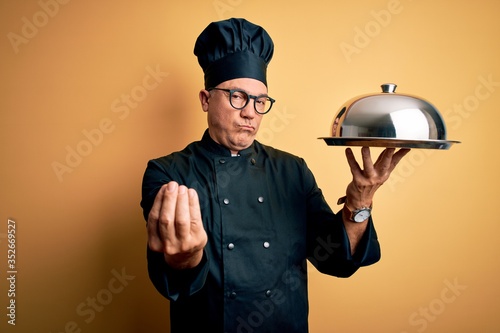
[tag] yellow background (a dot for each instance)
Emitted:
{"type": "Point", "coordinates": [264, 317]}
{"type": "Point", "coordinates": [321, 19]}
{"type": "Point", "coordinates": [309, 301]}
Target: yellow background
{"type": "Point", "coordinates": [437, 218]}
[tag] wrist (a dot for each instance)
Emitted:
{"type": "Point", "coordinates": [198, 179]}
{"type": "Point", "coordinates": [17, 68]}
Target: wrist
{"type": "Point", "coordinates": [184, 261]}
{"type": "Point", "coordinates": [358, 213]}
{"type": "Point", "coordinates": [358, 198]}
{"type": "Point", "coordinates": [353, 204]}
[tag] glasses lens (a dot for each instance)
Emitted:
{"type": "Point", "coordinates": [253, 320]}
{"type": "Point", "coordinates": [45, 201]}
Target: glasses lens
{"type": "Point", "coordinates": [263, 104]}
{"type": "Point", "coordinates": [238, 99]}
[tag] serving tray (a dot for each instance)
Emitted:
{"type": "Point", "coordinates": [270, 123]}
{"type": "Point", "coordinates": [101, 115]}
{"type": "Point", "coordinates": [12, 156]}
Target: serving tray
{"type": "Point", "coordinates": [389, 143]}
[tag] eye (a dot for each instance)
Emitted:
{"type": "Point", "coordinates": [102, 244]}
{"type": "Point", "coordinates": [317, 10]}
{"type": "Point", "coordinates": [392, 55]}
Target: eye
{"type": "Point", "coordinates": [261, 101]}
{"type": "Point", "coordinates": [239, 95]}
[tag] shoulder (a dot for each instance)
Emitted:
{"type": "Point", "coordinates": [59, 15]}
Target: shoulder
{"type": "Point", "coordinates": [285, 163]}
{"type": "Point", "coordinates": [288, 170]}
{"type": "Point", "coordinates": [278, 155]}
{"type": "Point", "coordinates": [182, 156]}
{"type": "Point", "coordinates": [173, 166]}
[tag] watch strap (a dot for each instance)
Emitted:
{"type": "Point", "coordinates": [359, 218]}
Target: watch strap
{"type": "Point", "coordinates": [352, 213]}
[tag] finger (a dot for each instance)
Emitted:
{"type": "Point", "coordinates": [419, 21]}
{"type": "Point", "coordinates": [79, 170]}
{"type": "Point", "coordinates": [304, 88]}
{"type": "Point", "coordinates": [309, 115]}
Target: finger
{"type": "Point", "coordinates": [182, 216]}
{"type": "Point", "coordinates": [195, 212]}
{"type": "Point", "coordinates": [166, 224]}
{"type": "Point", "coordinates": [194, 206]}
{"type": "Point", "coordinates": [353, 164]}
{"type": "Point", "coordinates": [367, 161]}
{"type": "Point", "coordinates": [154, 212]}
{"type": "Point", "coordinates": [396, 158]}
{"type": "Point", "coordinates": [153, 217]}
{"type": "Point", "coordinates": [386, 154]}
{"type": "Point", "coordinates": [384, 160]}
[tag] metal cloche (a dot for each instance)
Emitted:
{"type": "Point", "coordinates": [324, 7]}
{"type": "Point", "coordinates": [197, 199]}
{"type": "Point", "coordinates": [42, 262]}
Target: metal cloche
{"type": "Point", "coordinates": [388, 119]}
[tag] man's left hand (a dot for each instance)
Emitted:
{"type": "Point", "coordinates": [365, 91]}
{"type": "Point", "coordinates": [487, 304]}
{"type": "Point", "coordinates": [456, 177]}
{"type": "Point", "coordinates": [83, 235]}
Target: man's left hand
{"type": "Point", "coordinates": [366, 181]}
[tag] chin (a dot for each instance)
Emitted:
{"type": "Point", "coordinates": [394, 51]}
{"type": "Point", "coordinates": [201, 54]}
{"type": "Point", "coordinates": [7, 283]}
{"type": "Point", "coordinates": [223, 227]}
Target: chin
{"type": "Point", "coordinates": [241, 144]}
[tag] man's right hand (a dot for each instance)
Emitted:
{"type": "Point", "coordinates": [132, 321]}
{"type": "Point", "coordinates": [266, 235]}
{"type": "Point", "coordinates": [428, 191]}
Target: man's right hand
{"type": "Point", "coordinates": [175, 226]}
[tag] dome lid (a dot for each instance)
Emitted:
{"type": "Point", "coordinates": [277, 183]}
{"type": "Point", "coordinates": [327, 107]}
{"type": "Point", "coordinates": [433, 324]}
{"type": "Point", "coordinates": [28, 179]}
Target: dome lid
{"type": "Point", "coordinates": [388, 119]}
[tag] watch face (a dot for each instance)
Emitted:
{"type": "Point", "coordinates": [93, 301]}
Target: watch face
{"type": "Point", "coordinates": [362, 215]}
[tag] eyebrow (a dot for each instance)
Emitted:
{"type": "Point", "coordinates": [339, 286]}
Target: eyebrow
{"type": "Point", "coordinates": [238, 88]}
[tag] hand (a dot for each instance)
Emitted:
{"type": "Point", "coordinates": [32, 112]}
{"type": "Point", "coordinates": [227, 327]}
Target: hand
{"type": "Point", "coordinates": [367, 180]}
{"type": "Point", "coordinates": [175, 226]}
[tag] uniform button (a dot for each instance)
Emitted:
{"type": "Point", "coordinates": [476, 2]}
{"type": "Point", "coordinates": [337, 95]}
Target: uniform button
{"type": "Point", "coordinates": [222, 161]}
{"type": "Point", "coordinates": [232, 295]}
{"type": "Point", "coordinates": [260, 199]}
{"type": "Point", "coordinates": [252, 161]}
{"type": "Point", "coordinates": [230, 246]}
{"type": "Point", "coordinates": [268, 293]}
{"type": "Point", "coordinates": [266, 245]}
{"type": "Point", "coordinates": [226, 201]}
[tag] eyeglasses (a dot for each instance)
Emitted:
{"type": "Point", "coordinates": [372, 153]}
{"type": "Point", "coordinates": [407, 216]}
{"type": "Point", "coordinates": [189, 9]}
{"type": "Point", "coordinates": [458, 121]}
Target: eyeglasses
{"type": "Point", "coordinates": [239, 100]}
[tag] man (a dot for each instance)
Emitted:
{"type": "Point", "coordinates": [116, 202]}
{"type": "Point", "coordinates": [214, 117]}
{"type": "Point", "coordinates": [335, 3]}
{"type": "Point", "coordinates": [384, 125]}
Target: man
{"type": "Point", "coordinates": [231, 221]}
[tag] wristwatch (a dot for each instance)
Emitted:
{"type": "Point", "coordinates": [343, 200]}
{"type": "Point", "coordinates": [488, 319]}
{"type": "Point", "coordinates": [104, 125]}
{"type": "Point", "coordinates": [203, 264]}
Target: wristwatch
{"type": "Point", "coordinates": [358, 215]}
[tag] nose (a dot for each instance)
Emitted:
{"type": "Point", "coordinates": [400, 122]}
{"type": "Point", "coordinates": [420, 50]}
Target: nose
{"type": "Point", "coordinates": [248, 111]}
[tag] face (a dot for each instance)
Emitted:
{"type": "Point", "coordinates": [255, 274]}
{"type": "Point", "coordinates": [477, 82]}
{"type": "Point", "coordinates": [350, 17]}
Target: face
{"type": "Point", "coordinates": [231, 128]}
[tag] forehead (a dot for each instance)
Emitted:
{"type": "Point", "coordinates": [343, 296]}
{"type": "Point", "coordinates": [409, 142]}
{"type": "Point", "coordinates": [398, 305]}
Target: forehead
{"type": "Point", "coordinates": [251, 86]}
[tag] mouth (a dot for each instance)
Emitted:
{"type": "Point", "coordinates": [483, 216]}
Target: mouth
{"type": "Point", "coordinates": [246, 127]}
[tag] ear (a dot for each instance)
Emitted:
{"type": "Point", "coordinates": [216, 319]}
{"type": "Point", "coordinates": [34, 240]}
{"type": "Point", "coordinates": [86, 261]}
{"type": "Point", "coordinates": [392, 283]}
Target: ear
{"type": "Point", "coordinates": [204, 95]}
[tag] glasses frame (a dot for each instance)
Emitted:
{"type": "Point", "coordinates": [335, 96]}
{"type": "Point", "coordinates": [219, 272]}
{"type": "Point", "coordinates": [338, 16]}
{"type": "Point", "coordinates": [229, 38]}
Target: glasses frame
{"type": "Point", "coordinates": [231, 91]}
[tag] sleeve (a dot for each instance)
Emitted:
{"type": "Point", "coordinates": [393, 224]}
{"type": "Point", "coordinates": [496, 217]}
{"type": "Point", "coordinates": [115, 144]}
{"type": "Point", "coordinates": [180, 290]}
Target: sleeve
{"type": "Point", "coordinates": [328, 247]}
{"type": "Point", "coordinates": [175, 284]}
{"type": "Point", "coordinates": [172, 284]}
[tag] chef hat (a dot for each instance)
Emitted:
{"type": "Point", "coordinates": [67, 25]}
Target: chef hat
{"type": "Point", "coordinates": [232, 49]}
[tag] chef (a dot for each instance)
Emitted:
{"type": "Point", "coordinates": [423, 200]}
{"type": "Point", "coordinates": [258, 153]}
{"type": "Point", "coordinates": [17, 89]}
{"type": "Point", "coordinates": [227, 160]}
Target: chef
{"type": "Point", "coordinates": [231, 222]}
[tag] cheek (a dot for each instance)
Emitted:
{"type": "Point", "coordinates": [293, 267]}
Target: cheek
{"type": "Point", "coordinates": [257, 122]}
{"type": "Point", "coordinates": [220, 119]}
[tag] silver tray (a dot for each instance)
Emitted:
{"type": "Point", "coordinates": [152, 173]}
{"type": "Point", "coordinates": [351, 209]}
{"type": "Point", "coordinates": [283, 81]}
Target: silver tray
{"type": "Point", "coordinates": [389, 143]}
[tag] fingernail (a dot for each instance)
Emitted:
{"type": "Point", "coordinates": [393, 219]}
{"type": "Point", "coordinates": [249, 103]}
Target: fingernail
{"type": "Point", "coordinates": [171, 186]}
{"type": "Point", "coordinates": [182, 189]}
